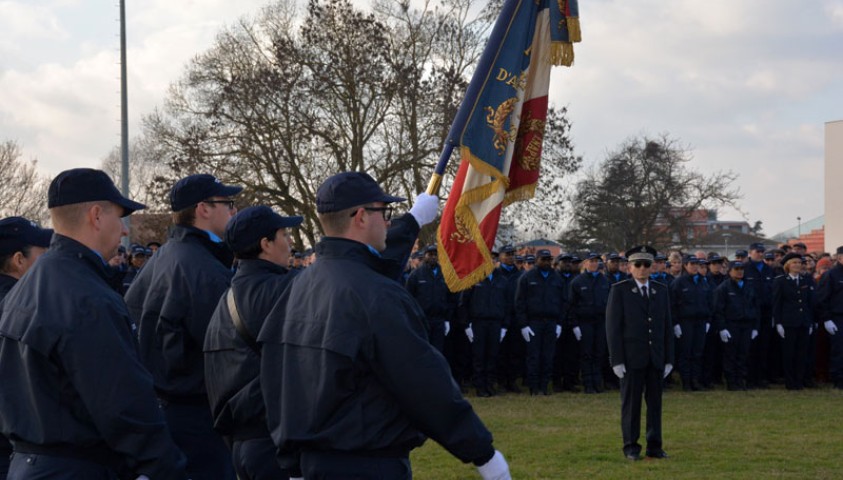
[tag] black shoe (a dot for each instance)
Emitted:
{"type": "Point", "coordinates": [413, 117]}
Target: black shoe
{"type": "Point", "coordinates": [491, 391]}
{"type": "Point", "coordinates": [598, 389]}
{"type": "Point", "coordinates": [590, 390]}
{"type": "Point", "coordinates": [545, 391]}
{"type": "Point", "coordinates": [733, 387]}
{"type": "Point", "coordinates": [557, 386]}
{"type": "Point", "coordinates": [696, 386]}
{"type": "Point", "coordinates": [571, 388]}
{"type": "Point", "coordinates": [656, 454]}
{"type": "Point", "coordinates": [534, 392]}
{"type": "Point", "coordinates": [633, 456]}
{"type": "Point", "coordinates": [809, 384]}
{"type": "Point", "coordinates": [762, 385]}
{"type": "Point", "coordinates": [481, 392]}
{"type": "Point", "coordinates": [511, 387]}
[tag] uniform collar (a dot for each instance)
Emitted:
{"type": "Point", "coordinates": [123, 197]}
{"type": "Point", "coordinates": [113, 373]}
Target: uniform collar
{"type": "Point", "coordinates": [254, 266]}
{"type": "Point", "coordinates": [336, 248]}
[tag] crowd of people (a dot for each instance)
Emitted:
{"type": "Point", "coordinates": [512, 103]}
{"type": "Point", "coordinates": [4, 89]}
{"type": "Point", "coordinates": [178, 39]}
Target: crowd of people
{"type": "Point", "coordinates": [221, 353]}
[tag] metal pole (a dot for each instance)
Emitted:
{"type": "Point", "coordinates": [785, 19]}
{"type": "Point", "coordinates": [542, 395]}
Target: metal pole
{"type": "Point", "coordinates": [799, 227]}
{"type": "Point", "coordinates": [124, 117]}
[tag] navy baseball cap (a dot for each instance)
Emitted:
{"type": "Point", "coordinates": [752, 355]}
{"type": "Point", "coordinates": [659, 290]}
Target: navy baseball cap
{"type": "Point", "coordinates": [590, 255]}
{"type": "Point", "coordinates": [193, 189]}
{"type": "Point", "coordinates": [530, 259]}
{"type": "Point", "coordinates": [140, 250]}
{"type": "Point", "coordinates": [769, 256]}
{"type": "Point", "coordinates": [741, 253]}
{"type": "Point", "coordinates": [715, 258]}
{"type": "Point", "coordinates": [80, 185]}
{"type": "Point", "coordinates": [758, 247]}
{"type": "Point", "coordinates": [350, 189]}
{"type": "Point", "coordinates": [691, 259]}
{"type": "Point", "coordinates": [544, 253]}
{"type": "Point", "coordinates": [16, 233]}
{"type": "Point", "coordinates": [736, 264]}
{"type": "Point", "coordinates": [659, 257]}
{"type": "Point", "coordinates": [507, 249]}
{"type": "Point", "coordinates": [431, 249]}
{"type": "Point", "coordinates": [251, 224]}
{"type": "Point", "coordinates": [519, 258]}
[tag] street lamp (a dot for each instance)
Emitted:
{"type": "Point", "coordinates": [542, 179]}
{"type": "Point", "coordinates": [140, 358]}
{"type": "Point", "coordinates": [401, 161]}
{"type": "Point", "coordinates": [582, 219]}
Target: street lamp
{"type": "Point", "coordinates": [799, 227]}
{"type": "Point", "coordinates": [726, 245]}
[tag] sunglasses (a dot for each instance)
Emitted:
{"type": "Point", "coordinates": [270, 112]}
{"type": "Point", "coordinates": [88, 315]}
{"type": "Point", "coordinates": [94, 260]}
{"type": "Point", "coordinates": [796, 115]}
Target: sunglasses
{"type": "Point", "coordinates": [385, 211]}
{"type": "Point", "coordinates": [229, 203]}
{"type": "Point", "coordinates": [642, 264]}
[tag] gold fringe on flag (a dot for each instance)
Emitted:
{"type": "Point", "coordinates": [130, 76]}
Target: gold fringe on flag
{"type": "Point", "coordinates": [574, 32]}
{"type": "Point", "coordinates": [562, 53]}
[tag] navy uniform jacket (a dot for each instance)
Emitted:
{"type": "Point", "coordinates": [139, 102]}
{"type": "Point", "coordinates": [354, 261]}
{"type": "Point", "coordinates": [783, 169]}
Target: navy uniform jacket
{"type": "Point", "coordinates": [431, 292]}
{"type": "Point", "coordinates": [232, 368]}
{"type": "Point", "coordinates": [715, 281]}
{"type": "Point", "coordinates": [736, 305]}
{"type": "Point", "coordinates": [511, 275]}
{"type": "Point", "coordinates": [538, 297]}
{"type": "Point", "coordinates": [830, 294]}
{"type": "Point", "coordinates": [6, 284]}
{"type": "Point", "coordinates": [72, 377]}
{"type": "Point", "coordinates": [691, 300]}
{"type": "Point", "coordinates": [616, 277]}
{"type": "Point", "coordinates": [172, 300]}
{"type": "Point", "coordinates": [486, 300]}
{"type": "Point", "coordinates": [588, 295]}
{"type": "Point", "coordinates": [348, 367]}
{"type": "Point", "coordinates": [761, 282]}
{"type": "Point", "coordinates": [639, 332]}
{"type": "Point", "coordinates": [793, 305]}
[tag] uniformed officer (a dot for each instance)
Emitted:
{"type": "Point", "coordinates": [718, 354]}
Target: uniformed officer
{"type": "Point", "coordinates": [519, 262]}
{"type": "Point", "coordinates": [830, 313]}
{"type": "Point", "coordinates": [540, 308]}
{"type": "Point", "coordinates": [759, 277]}
{"type": "Point", "coordinates": [427, 285]}
{"type": "Point", "coordinates": [21, 243]}
{"type": "Point", "coordinates": [350, 381]}
{"type": "Point", "coordinates": [513, 350]}
{"type": "Point", "coordinates": [76, 400]}
{"type": "Point", "coordinates": [736, 316]}
{"type": "Point", "coordinates": [713, 351]}
{"type": "Point", "coordinates": [639, 330]}
{"type": "Point", "coordinates": [566, 360]}
{"type": "Point", "coordinates": [136, 263]}
{"type": "Point", "coordinates": [613, 269]}
{"type": "Point", "coordinates": [588, 295]}
{"type": "Point", "coordinates": [691, 298]}
{"type": "Point", "coordinates": [172, 300]}
{"type": "Point", "coordinates": [260, 240]}
{"type": "Point", "coordinates": [793, 297]}
{"type": "Point", "coordinates": [529, 262]}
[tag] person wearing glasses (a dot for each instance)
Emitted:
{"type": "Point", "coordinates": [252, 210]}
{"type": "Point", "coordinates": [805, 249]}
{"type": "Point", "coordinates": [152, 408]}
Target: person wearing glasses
{"type": "Point", "coordinates": [640, 334]}
{"type": "Point", "coordinates": [350, 381]}
{"type": "Point", "coordinates": [172, 300]}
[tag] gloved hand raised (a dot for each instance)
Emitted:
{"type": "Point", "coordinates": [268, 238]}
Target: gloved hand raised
{"type": "Point", "coordinates": [725, 335]}
{"type": "Point", "coordinates": [425, 208]}
{"type": "Point", "coordinates": [577, 333]}
{"type": "Point", "coordinates": [495, 469]}
{"type": "Point", "coordinates": [830, 327]}
{"type": "Point", "coordinates": [503, 333]}
{"type": "Point", "coordinates": [667, 369]}
{"type": "Point", "coordinates": [558, 331]}
{"type": "Point", "coordinates": [707, 326]}
{"type": "Point", "coordinates": [780, 329]}
{"type": "Point", "coordinates": [470, 334]}
{"type": "Point", "coordinates": [527, 332]}
{"type": "Point", "coordinates": [620, 370]}
{"type": "Point", "coordinates": [753, 335]}
{"type": "Point", "coordinates": [447, 328]}
{"type": "Point", "coordinates": [677, 330]}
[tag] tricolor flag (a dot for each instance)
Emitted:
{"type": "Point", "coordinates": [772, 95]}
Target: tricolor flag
{"type": "Point", "coordinates": [499, 130]}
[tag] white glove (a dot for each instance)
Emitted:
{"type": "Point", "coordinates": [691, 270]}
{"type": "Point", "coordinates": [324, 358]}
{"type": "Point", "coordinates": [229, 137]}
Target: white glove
{"type": "Point", "coordinates": [447, 328]}
{"type": "Point", "coordinates": [470, 334]}
{"type": "Point", "coordinates": [830, 327]}
{"type": "Point", "coordinates": [725, 335]}
{"type": "Point", "coordinates": [558, 330]}
{"type": "Point", "coordinates": [810, 330]}
{"type": "Point", "coordinates": [577, 333]}
{"type": "Point", "coordinates": [677, 330]}
{"type": "Point", "coordinates": [296, 478]}
{"type": "Point", "coordinates": [495, 469]}
{"type": "Point", "coordinates": [667, 369]}
{"type": "Point", "coordinates": [780, 329]}
{"type": "Point", "coordinates": [707, 326]}
{"type": "Point", "coordinates": [620, 370]}
{"type": "Point", "coordinates": [753, 334]}
{"type": "Point", "coordinates": [142, 477]}
{"type": "Point", "coordinates": [527, 332]}
{"type": "Point", "coordinates": [425, 208]}
{"type": "Point", "coordinates": [503, 333]}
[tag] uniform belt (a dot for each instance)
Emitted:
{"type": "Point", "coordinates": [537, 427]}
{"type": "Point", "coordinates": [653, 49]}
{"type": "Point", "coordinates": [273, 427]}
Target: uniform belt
{"type": "Point", "coordinates": [98, 455]}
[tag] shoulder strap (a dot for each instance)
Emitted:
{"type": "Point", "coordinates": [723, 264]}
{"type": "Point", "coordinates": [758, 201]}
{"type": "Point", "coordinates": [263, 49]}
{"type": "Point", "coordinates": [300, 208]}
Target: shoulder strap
{"type": "Point", "coordinates": [238, 323]}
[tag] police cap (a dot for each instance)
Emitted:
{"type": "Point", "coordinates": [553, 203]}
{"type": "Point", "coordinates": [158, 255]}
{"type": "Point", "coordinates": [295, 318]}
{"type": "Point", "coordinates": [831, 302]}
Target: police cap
{"type": "Point", "coordinates": [431, 249]}
{"type": "Point", "coordinates": [769, 256]}
{"type": "Point", "coordinates": [792, 256]}
{"type": "Point", "coordinates": [530, 258]}
{"type": "Point", "coordinates": [691, 259]}
{"type": "Point", "coordinates": [736, 264]}
{"type": "Point", "coordinates": [544, 253]}
{"type": "Point", "coordinates": [80, 185]}
{"type": "Point", "coordinates": [840, 250]}
{"type": "Point", "coordinates": [138, 250]}
{"type": "Point", "coordinates": [507, 249]}
{"type": "Point", "coordinates": [741, 253]}
{"type": "Point", "coordinates": [16, 233]}
{"type": "Point", "coordinates": [759, 247]}
{"type": "Point", "coordinates": [193, 189]}
{"type": "Point", "coordinates": [641, 252]}
{"type": "Point", "coordinates": [590, 255]}
{"type": "Point", "coordinates": [350, 189]}
{"type": "Point", "coordinates": [519, 258]}
{"type": "Point", "coordinates": [250, 225]}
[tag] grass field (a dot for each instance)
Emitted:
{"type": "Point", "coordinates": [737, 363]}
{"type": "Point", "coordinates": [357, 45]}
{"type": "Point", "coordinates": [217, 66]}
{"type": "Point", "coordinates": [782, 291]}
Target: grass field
{"type": "Point", "coordinates": [718, 434]}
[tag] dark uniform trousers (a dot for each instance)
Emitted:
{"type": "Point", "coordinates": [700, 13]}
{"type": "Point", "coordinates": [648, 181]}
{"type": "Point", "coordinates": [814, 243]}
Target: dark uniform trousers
{"type": "Point", "coordinates": [27, 466]}
{"type": "Point", "coordinates": [761, 350]}
{"type": "Point", "coordinates": [691, 345]}
{"type": "Point", "coordinates": [208, 457]}
{"type": "Point", "coordinates": [345, 466]}
{"type": "Point", "coordinates": [835, 359]}
{"type": "Point", "coordinates": [436, 333]}
{"type": "Point", "coordinates": [593, 353]}
{"type": "Point", "coordinates": [712, 368]}
{"type": "Point", "coordinates": [638, 381]}
{"type": "Point", "coordinates": [511, 358]}
{"type": "Point", "coordinates": [566, 360]}
{"type": "Point", "coordinates": [250, 460]}
{"type": "Point", "coordinates": [540, 350]}
{"type": "Point", "coordinates": [484, 349]}
{"type": "Point", "coordinates": [795, 356]}
{"type": "Point", "coordinates": [736, 354]}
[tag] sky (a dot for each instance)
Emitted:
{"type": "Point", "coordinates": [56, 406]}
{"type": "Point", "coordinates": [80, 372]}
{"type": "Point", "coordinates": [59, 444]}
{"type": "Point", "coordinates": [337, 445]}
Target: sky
{"type": "Point", "coordinates": [747, 86]}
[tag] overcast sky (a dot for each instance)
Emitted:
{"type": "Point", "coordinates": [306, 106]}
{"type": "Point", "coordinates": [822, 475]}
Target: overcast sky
{"type": "Point", "coordinates": [748, 85]}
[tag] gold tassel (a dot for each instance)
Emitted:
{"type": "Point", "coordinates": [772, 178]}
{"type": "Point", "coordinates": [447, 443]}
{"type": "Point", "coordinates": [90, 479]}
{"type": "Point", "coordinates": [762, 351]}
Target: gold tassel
{"type": "Point", "coordinates": [562, 53]}
{"type": "Point", "coordinates": [525, 192]}
{"type": "Point", "coordinates": [574, 32]}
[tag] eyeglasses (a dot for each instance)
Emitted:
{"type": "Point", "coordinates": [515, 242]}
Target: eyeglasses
{"type": "Point", "coordinates": [642, 264]}
{"type": "Point", "coordinates": [385, 211]}
{"type": "Point", "coordinates": [229, 203]}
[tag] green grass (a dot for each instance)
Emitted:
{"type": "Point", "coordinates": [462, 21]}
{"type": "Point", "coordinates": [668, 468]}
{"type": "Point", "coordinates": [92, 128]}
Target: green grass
{"type": "Point", "coordinates": [718, 434]}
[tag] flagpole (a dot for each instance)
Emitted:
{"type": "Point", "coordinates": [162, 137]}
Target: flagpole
{"type": "Point", "coordinates": [436, 178]}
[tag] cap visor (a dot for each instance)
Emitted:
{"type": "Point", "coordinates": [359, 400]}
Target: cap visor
{"type": "Point", "coordinates": [44, 237]}
{"type": "Point", "coordinates": [228, 191]}
{"type": "Point", "coordinates": [288, 222]}
{"type": "Point", "coordinates": [129, 206]}
{"type": "Point", "coordinates": [390, 199]}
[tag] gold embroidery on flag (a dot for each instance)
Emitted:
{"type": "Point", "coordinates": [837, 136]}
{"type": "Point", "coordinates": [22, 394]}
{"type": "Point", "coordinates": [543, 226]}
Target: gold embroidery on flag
{"type": "Point", "coordinates": [496, 119]}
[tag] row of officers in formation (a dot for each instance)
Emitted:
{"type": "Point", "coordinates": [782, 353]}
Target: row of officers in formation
{"type": "Point", "coordinates": [166, 362]}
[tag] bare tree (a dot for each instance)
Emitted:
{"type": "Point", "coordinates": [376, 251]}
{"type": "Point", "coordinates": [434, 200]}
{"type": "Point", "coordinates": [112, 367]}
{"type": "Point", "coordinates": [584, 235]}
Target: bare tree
{"type": "Point", "coordinates": [23, 191]}
{"type": "Point", "coordinates": [145, 166]}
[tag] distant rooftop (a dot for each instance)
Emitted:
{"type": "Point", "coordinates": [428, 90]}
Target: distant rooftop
{"type": "Point", "coordinates": [805, 227]}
